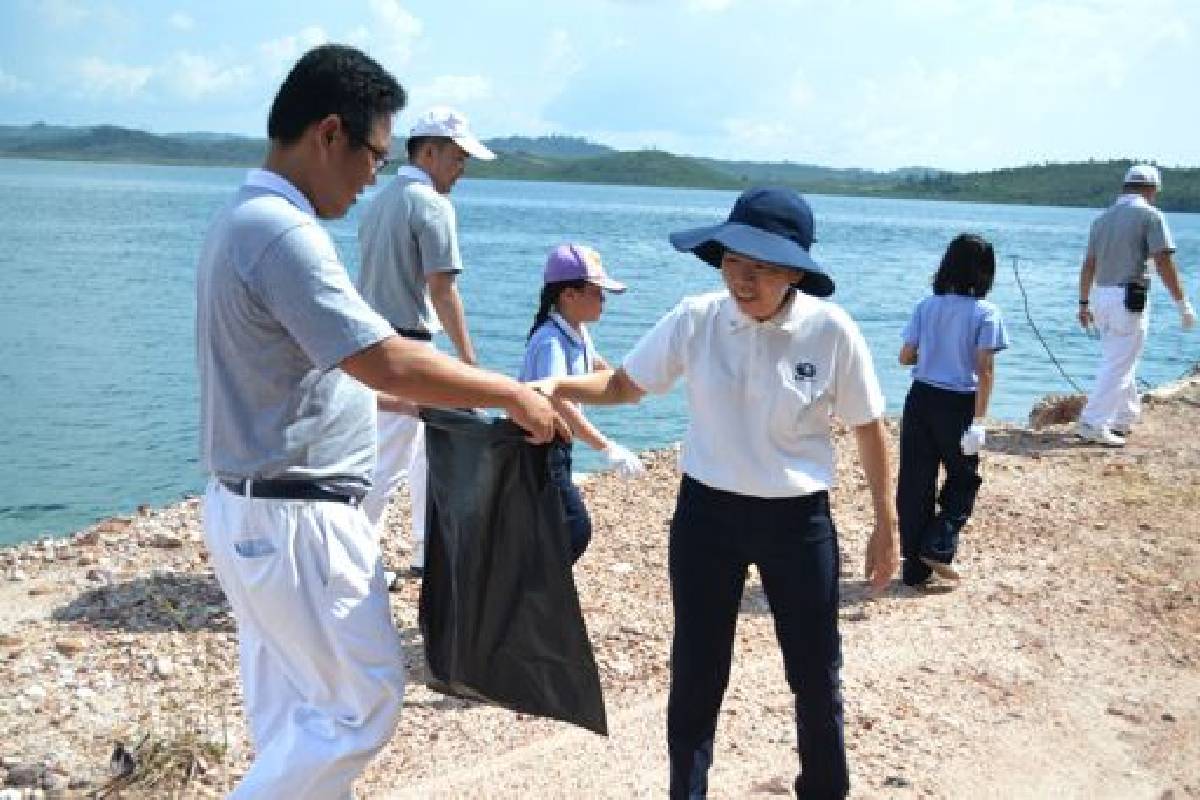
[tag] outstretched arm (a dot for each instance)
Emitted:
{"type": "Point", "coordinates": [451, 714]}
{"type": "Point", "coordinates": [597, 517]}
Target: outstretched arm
{"type": "Point", "coordinates": [407, 370]}
{"type": "Point", "coordinates": [598, 388]}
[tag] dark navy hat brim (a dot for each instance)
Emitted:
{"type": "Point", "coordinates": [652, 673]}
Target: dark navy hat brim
{"type": "Point", "coordinates": [710, 242]}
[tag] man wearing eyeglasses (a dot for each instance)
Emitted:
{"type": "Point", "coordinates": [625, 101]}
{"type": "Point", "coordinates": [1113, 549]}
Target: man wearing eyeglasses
{"type": "Point", "coordinates": [410, 265]}
{"type": "Point", "coordinates": [288, 354]}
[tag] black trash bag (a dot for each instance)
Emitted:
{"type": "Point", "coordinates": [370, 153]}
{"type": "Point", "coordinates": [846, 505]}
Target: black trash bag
{"type": "Point", "coordinates": [499, 612]}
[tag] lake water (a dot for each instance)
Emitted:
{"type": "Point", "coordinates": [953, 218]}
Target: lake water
{"type": "Point", "coordinates": [97, 378]}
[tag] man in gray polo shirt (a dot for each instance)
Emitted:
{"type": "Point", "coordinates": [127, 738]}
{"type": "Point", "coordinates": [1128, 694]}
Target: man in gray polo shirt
{"type": "Point", "coordinates": [286, 351]}
{"type": "Point", "coordinates": [1114, 284]}
{"type": "Point", "coordinates": [410, 266]}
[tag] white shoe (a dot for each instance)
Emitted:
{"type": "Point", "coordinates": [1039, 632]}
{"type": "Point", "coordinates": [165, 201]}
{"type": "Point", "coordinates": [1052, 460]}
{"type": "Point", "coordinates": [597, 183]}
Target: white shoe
{"type": "Point", "coordinates": [1098, 434]}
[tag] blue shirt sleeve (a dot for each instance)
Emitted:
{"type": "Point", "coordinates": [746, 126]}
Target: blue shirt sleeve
{"type": "Point", "coordinates": [991, 333]}
{"type": "Point", "coordinates": [547, 359]}
{"type": "Point", "coordinates": [912, 330]}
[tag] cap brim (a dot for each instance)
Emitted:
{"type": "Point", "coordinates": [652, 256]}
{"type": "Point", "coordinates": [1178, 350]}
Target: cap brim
{"type": "Point", "coordinates": [757, 244]}
{"type": "Point", "coordinates": [474, 148]}
{"type": "Point", "coordinates": [607, 284]}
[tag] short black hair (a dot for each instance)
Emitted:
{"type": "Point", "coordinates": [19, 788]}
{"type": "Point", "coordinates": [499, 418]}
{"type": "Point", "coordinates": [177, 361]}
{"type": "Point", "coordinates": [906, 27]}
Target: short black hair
{"type": "Point", "coordinates": [968, 267]}
{"type": "Point", "coordinates": [334, 79]}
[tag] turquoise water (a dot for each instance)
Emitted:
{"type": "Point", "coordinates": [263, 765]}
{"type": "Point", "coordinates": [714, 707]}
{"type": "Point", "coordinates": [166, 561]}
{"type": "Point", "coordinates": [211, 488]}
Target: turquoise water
{"type": "Point", "coordinates": [97, 382]}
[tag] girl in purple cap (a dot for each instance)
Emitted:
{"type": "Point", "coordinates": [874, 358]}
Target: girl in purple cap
{"type": "Point", "coordinates": [559, 345]}
{"type": "Point", "coordinates": [766, 362]}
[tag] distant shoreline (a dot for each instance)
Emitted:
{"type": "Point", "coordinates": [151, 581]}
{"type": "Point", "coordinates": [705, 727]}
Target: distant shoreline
{"type": "Point", "coordinates": [565, 159]}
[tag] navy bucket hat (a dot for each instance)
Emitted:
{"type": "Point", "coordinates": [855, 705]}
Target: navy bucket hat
{"type": "Point", "coordinates": [772, 225]}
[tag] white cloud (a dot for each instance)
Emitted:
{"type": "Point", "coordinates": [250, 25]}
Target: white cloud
{"type": "Point", "coordinates": [710, 5]}
{"type": "Point", "coordinates": [454, 90]}
{"type": "Point", "coordinates": [181, 22]}
{"type": "Point", "coordinates": [108, 79]}
{"type": "Point", "coordinates": [562, 59]}
{"type": "Point", "coordinates": [64, 13]}
{"type": "Point", "coordinates": [280, 54]}
{"type": "Point", "coordinates": [755, 135]}
{"type": "Point", "coordinates": [11, 84]}
{"type": "Point", "coordinates": [397, 31]}
{"type": "Point", "coordinates": [194, 76]}
{"type": "Point", "coordinates": [108, 17]}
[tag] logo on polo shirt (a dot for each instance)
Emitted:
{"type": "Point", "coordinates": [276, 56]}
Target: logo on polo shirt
{"type": "Point", "coordinates": [805, 371]}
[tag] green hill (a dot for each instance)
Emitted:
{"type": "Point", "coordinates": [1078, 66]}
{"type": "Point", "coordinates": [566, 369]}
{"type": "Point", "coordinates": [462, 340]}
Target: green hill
{"type": "Point", "coordinates": [1088, 183]}
{"type": "Point", "coordinates": [572, 159]}
{"type": "Point", "coordinates": [112, 143]}
{"type": "Point", "coordinates": [548, 146]}
{"type": "Point", "coordinates": [640, 168]}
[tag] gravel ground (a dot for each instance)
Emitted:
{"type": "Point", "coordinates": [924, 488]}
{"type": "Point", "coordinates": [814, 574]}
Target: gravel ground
{"type": "Point", "coordinates": [1064, 666]}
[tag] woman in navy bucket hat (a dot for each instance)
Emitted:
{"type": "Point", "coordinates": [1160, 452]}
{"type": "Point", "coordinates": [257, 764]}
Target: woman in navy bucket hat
{"type": "Point", "coordinates": [767, 361]}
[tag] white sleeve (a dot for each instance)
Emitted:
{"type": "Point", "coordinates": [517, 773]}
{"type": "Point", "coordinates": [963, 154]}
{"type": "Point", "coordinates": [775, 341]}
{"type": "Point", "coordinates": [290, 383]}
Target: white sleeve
{"type": "Point", "coordinates": [857, 397]}
{"type": "Point", "coordinates": [659, 357]}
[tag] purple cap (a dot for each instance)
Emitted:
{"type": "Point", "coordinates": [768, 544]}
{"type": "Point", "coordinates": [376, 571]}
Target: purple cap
{"type": "Point", "coordinates": [572, 262]}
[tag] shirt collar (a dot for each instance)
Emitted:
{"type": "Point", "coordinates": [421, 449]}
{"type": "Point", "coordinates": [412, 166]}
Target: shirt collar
{"type": "Point", "coordinates": [566, 327]}
{"type": "Point", "coordinates": [414, 173]}
{"type": "Point", "coordinates": [274, 182]}
{"type": "Point", "coordinates": [1132, 199]}
{"type": "Point", "coordinates": [787, 320]}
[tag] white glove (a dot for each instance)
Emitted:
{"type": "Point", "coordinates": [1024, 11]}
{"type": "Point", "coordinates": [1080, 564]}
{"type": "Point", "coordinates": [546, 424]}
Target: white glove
{"type": "Point", "coordinates": [623, 461]}
{"type": "Point", "coordinates": [972, 441]}
{"type": "Point", "coordinates": [1187, 314]}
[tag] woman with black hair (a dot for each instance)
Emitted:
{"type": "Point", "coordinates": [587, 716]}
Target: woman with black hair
{"type": "Point", "coordinates": [950, 340]}
{"type": "Point", "coordinates": [574, 283]}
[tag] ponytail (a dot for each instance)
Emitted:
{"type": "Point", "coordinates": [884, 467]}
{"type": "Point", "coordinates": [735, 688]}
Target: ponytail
{"type": "Point", "coordinates": [549, 296]}
{"type": "Point", "coordinates": [550, 293]}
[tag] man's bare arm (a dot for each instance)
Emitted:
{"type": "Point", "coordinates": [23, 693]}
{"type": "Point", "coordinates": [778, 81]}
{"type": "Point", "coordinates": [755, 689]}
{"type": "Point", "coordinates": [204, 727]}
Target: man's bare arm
{"type": "Point", "coordinates": [443, 293]}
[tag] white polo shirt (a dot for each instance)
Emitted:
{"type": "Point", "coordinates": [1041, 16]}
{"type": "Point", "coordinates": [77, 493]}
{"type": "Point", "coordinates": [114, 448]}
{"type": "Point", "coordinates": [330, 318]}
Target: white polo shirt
{"type": "Point", "coordinates": [760, 394]}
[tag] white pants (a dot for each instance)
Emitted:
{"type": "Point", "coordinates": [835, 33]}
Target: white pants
{"type": "Point", "coordinates": [321, 661]}
{"type": "Point", "coordinates": [1114, 400]}
{"type": "Point", "coordinates": [400, 454]}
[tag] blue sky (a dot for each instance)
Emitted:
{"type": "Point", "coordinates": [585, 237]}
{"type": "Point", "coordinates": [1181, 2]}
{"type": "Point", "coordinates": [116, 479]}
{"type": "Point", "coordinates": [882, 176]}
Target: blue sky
{"type": "Point", "coordinates": [957, 84]}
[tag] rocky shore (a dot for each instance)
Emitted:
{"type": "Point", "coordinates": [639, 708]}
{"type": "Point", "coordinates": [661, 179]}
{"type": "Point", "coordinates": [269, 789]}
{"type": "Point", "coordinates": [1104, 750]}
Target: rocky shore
{"type": "Point", "coordinates": [1065, 665]}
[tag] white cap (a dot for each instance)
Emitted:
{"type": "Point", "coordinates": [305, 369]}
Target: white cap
{"type": "Point", "coordinates": [446, 123]}
{"type": "Point", "coordinates": [1143, 175]}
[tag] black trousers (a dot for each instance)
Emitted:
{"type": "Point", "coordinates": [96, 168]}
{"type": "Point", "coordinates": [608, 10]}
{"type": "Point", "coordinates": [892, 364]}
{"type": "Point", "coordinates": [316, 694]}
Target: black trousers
{"type": "Point", "coordinates": [715, 536]}
{"type": "Point", "coordinates": [930, 519]}
{"type": "Point", "coordinates": [579, 522]}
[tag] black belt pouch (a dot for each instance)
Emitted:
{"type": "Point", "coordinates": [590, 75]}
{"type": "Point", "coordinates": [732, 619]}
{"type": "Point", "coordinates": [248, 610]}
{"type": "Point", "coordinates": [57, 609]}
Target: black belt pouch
{"type": "Point", "coordinates": [1135, 297]}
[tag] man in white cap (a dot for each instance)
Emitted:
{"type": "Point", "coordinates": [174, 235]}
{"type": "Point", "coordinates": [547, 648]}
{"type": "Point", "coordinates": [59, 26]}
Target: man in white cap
{"type": "Point", "coordinates": [410, 264]}
{"type": "Point", "coordinates": [1114, 284]}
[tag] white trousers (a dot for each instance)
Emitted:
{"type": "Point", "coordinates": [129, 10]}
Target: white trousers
{"type": "Point", "coordinates": [400, 455]}
{"type": "Point", "coordinates": [321, 661]}
{"type": "Point", "coordinates": [1114, 399]}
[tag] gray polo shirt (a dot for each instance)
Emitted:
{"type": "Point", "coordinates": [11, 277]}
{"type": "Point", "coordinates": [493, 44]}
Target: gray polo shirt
{"type": "Point", "coordinates": [275, 315]}
{"type": "Point", "coordinates": [409, 231]}
{"type": "Point", "coordinates": [1124, 237]}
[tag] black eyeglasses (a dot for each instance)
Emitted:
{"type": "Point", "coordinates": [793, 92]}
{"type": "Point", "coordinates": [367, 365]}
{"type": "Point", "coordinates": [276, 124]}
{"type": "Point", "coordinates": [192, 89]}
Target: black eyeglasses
{"type": "Point", "coordinates": [380, 155]}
